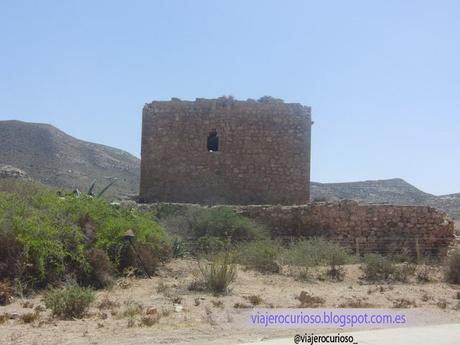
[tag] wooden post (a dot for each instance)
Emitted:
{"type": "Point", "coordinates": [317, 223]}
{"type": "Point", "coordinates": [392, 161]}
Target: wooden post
{"type": "Point", "coordinates": [417, 250]}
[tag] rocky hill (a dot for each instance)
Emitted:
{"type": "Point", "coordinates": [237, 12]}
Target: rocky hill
{"type": "Point", "coordinates": [57, 159]}
{"type": "Point", "coordinates": [393, 191]}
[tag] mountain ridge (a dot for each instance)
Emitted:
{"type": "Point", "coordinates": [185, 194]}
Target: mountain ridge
{"type": "Point", "coordinates": [55, 158]}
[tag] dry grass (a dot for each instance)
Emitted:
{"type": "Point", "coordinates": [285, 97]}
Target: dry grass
{"type": "Point", "coordinates": [162, 287]}
{"type": "Point", "coordinates": [356, 303]}
{"type": "Point", "coordinates": [27, 304]}
{"type": "Point", "coordinates": [208, 316]}
{"type": "Point", "coordinates": [107, 304]}
{"type": "Point", "coordinates": [150, 319]}
{"type": "Point", "coordinates": [6, 292]}
{"type": "Point", "coordinates": [453, 268]}
{"type": "Point", "coordinates": [152, 315]}
{"type": "Point", "coordinates": [442, 304]}
{"type": "Point", "coordinates": [217, 304]}
{"type": "Point", "coordinates": [131, 311]}
{"type": "Point", "coordinates": [30, 317]}
{"type": "Point", "coordinates": [404, 303]}
{"type": "Point", "coordinates": [239, 305]}
{"type": "Point", "coordinates": [423, 274]}
{"type": "Point", "coordinates": [218, 274]}
{"type": "Point", "coordinates": [309, 301]}
{"type": "Point", "coordinates": [254, 299]}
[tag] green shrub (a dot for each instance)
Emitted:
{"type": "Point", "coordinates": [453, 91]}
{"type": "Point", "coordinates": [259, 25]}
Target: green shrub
{"type": "Point", "coordinates": [179, 249]}
{"type": "Point", "coordinates": [314, 252]}
{"type": "Point", "coordinates": [377, 268]}
{"type": "Point", "coordinates": [453, 268]}
{"type": "Point", "coordinates": [224, 223]}
{"type": "Point", "coordinates": [218, 274]}
{"type": "Point", "coordinates": [210, 245]}
{"type": "Point", "coordinates": [336, 258]}
{"type": "Point", "coordinates": [261, 256]}
{"type": "Point", "coordinates": [71, 301]}
{"type": "Point", "coordinates": [47, 237]}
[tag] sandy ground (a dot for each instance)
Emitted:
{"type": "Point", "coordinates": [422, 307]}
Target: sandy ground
{"type": "Point", "coordinates": [190, 317]}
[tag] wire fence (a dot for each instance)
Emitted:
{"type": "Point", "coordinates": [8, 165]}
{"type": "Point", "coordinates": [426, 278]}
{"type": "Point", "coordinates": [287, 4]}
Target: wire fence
{"type": "Point", "coordinates": [419, 247]}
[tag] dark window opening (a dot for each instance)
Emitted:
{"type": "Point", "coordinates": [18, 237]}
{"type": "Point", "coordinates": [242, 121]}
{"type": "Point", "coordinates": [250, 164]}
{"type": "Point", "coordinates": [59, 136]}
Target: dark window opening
{"type": "Point", "coordinates": [213, 142]}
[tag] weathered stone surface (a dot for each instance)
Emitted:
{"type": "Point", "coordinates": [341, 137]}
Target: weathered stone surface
{"type": "Point", "coordinates": [263, 155]}
{"type": "Point", "coordinates": [377, 228]}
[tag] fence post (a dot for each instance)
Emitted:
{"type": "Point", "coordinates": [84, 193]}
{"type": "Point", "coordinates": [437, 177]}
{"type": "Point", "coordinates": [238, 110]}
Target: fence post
{"type": "Point", "coordinates": [417, 250]}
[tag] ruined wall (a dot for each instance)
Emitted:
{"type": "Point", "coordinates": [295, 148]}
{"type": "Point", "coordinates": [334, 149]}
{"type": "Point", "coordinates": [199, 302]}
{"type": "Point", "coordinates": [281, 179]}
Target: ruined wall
{"type": "Point", "coordinates": [386, 229]}
{"type": "Point", "coordinates": [371, 228]}
{"type": "Point", "coordinates": [263, 156]}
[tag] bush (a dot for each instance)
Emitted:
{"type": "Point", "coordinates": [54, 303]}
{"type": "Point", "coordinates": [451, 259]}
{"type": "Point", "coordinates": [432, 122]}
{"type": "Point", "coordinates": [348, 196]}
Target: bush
{"type": "Point", "coordinates": [30, 317]}
{"type": "Point", "coordinates": [423, 274]}
{"type": "Point", "coordinates": [101, 272]}
{"type": "Point", "coordinates": [210, 245]}
{"type": "Point", "coordinates": [254, 299]}
{"type": "Point", "coordinates": [178, 248]}
{"type": "Point", "coordinates": [10, 250]}
{"type": "Point", "coordinates": [308, 301]}
{"type": "Point", "coordinates": [49, 237]}
{"type": "Point", "coordinates": [453, 268]}
{"type": "Point", "coordinates": [71, 301]}
{"type": "Point", "coordinates": [404, 271]}
{"type": "Point", "coordinates": [402, 303]}
{"type": "Point", "coordinates": [336, 258]}
{"type": "Point", "coordinates": [224, 223]}
{"type": "Point", "coordinates": [6, 292]}
{"type": "Point", "coordinates": [269, 100]}
{"type": "Point", "coordinates": [314, 252]}
{"type": "Point", "coordinates": [218, 274]}
{"type": "Point", "coordinates": [377, 268]}
{"type": "Point", "coordinates": [261, 256]}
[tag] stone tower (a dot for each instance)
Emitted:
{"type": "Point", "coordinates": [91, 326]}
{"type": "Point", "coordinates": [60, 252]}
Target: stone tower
{"type": "Point", "coordinates": [223, 151]}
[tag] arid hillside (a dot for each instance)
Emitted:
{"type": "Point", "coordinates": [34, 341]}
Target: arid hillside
{"type": "Point", "coordinates": [392, 191]}
{"type": "Point", "coordinates": [57, 159]}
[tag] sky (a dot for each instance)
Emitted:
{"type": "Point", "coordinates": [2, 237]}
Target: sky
{"type": "Point", "coordinates": [382, 77]}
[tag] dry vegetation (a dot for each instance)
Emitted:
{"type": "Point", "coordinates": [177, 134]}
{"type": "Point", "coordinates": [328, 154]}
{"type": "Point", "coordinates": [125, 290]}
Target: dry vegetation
{"type": "Point", "coordinates": [212, 276]}
{"type": "Point", "coordinates": [166, 307]}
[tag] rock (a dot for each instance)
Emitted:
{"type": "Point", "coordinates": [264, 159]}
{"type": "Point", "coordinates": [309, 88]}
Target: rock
{"type": "Point", "coordinates": [8, 171]}
{"type": "Point", "coordinates": [151, 311]}
{"type": "Point", "coordinates": [13, 316]}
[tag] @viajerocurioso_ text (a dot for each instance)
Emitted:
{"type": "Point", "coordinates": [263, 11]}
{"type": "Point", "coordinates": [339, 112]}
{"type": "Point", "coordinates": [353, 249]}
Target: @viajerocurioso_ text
{"type": "Point", "coordinates": [311, 338]}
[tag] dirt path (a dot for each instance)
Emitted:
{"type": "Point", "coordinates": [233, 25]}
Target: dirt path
{"type": "Point", "coordinates": [435, 335]}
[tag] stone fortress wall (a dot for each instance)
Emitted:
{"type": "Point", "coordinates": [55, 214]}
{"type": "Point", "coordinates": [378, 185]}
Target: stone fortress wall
{"type": "Point", "coordinates": [386, 229]}
{"type": "Point", "coordinates": [418, 231]}
{"type": "Point", "coordinates": [263, 154]}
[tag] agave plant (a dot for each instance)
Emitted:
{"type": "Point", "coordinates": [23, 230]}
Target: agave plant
{"type": "Point", "coordinates": [92, 186]}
